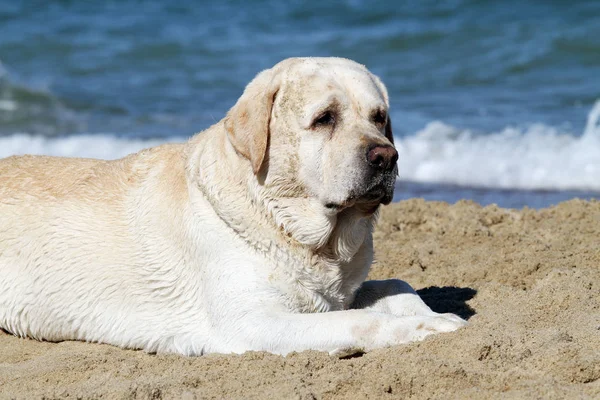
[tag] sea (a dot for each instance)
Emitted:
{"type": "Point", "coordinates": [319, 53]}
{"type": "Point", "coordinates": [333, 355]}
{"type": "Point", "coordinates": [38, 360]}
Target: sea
{"type": "Point", "coordinates": [493, 101]}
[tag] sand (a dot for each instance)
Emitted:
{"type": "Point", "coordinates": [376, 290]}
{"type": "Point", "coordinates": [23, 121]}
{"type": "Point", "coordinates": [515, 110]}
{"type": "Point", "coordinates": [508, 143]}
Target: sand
{"type": "Point", "coordinates": [528, 281]}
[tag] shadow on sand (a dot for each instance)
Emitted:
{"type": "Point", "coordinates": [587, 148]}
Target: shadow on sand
{"type": "Point", "coordinates": [449, 299]}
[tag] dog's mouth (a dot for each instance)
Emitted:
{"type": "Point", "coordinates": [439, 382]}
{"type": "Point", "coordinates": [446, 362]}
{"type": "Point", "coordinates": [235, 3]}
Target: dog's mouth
{"type": "Point", "coordinates": [379, 194]}
{"type": "Point", "coordinates": [368, 200]}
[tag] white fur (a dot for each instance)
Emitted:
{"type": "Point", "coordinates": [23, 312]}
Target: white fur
{"type": "Point", "coordinates": [206, 246]}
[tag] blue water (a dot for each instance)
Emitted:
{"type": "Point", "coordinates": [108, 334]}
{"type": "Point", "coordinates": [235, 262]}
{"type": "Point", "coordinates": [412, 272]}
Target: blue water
{"type": "Point", "coordinates": [488, 97]}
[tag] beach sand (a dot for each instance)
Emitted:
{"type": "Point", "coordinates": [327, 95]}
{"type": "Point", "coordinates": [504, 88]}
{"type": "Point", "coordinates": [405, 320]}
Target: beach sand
{"type": "Point", "coordinates": [528, 281]}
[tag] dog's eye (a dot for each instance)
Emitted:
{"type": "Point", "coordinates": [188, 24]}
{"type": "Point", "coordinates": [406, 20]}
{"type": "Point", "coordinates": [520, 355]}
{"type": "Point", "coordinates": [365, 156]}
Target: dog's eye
{"type": "Point", "coordinates": [325, 119]}
{"type": "Point", "coordinates": [379, 117]}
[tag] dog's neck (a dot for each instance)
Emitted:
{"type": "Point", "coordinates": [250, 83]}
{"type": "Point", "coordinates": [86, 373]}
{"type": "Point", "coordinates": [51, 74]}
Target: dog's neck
{"type": "Point", "coordinates": [294, 232]}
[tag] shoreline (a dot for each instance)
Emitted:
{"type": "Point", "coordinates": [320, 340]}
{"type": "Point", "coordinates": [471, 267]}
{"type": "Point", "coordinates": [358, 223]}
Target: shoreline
{"type": "Point", "coordinates": [503, 197]}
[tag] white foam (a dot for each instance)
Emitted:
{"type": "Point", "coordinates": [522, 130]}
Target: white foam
{"type": "Point", "coordinates": [538, 157]}
{"type": "Point", "coordinates": [8, 105]}
{"type": "Point", "coordinates": [105, 146]}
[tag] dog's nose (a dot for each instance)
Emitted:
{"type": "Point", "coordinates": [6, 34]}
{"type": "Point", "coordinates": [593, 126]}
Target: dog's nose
{"type": "Point", "coordinates": [382, 157]}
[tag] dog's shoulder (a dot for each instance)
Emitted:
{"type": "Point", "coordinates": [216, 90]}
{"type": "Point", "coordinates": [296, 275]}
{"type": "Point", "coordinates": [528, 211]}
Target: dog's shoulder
{"type": "Point", "coordinates": [161, 169]}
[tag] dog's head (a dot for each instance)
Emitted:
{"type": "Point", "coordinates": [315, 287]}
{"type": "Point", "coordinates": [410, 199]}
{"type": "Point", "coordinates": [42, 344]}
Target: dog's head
{"type": "Point", "coordinates": [318, 128]}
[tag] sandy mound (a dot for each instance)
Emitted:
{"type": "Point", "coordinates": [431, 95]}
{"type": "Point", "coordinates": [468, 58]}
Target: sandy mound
{"type": "Point", "coordinates": [529, 282]}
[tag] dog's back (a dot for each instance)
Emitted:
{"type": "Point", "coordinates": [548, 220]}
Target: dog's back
{"type": "Point", "coordinates": [72, 219]}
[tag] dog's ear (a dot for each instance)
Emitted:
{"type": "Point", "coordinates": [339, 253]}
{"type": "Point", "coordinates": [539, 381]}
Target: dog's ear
{"type": "Point", "coordinates": [388, 130]}
{"type": "Point", "coordinates": [247, 123]}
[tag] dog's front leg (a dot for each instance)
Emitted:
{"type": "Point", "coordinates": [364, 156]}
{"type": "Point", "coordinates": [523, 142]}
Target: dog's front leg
{"type": "Point", "coordinates": [337, 332]}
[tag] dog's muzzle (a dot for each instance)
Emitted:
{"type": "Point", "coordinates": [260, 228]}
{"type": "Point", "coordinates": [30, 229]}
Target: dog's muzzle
{"type": "Point", "coordinates": [383, 169]}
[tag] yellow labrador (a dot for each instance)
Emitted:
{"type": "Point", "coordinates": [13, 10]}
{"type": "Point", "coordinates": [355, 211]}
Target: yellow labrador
{"type": "Point", "coordinates": [254, 235]}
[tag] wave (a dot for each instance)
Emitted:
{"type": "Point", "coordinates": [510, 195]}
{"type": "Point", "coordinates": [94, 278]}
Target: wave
{"type": "Point", "coordinates": [538, 157]}
{"type": "Point", "coordinates": [105, 146]}
{"type": "Point", "coordinates": [33, 107]}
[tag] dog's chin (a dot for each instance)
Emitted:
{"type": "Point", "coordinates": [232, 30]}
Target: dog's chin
{"type": "Point", "coordinates": [367, 203]}
{"type": "Point", "coordinates": [367, 209]}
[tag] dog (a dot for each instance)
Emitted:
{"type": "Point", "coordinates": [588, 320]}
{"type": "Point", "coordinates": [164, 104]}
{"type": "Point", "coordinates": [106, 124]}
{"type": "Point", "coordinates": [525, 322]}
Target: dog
{"type": "Point", "coordinates": [255, 235]}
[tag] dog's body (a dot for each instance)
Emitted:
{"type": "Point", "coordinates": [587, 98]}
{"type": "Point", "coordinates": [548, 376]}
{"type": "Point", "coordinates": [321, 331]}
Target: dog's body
{"type": "Point", "coordinates": [254, 235]}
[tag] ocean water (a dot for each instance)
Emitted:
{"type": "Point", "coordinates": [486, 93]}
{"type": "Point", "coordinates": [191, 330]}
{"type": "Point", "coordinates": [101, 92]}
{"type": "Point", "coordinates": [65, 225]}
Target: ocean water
{"type": "Point", "coordinates": [491, 101]}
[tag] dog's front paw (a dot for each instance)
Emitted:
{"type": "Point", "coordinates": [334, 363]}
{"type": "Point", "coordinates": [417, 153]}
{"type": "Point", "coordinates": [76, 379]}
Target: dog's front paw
{"type": "Point", "coordinates": [455, 319]}
{"type": "Point", "coordinates": [415, 328]}
{"type": "Point", "coordinates": [436, 324]}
